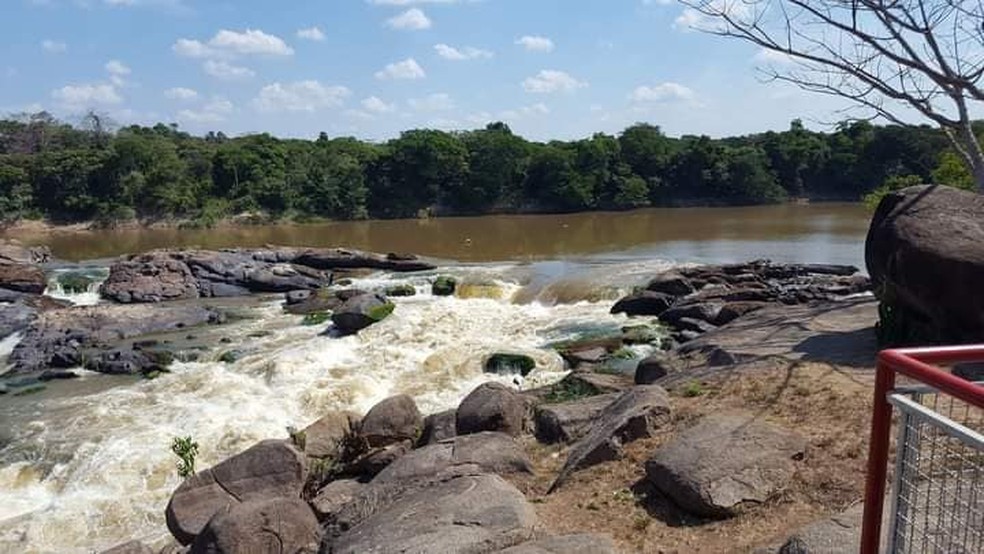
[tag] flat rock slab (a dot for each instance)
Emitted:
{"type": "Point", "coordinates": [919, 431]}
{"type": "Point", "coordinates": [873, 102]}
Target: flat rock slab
{"type": "Point", "coordinates": [467, 514]}
{"type": "Point", "coordinates": [569, 421]}
{"type": "Point", "coordinates": [266, 470]}
{"type": "Point", "coordinates": [334, 496]}
{"type": "Point", "coordinates": [276, 525]}
{"type": "Point", "coordinates": [840, 332]}
{"type": "Point", "coordinates": [566, 544]}
{"type": "Point", "coordinates": [483, 452]}
{"type": "Point", "coordinates": [725, 462]}
{"type": "Point", "coordinates": [637, 413]}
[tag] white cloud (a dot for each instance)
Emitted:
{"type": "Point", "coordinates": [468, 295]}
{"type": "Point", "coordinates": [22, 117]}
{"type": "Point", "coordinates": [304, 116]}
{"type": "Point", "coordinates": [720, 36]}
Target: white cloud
{"type": "Point", "coordinates": [228, 44]}
{"type": "Point", "coordinates": [213, 112]}
{"type": "Point", "coordinates": [432, 103]}
{"type": "Point", "coordinates": [117, 67]}
{"type": "Point", "coordinates": [87, 95]}
{"type": "Point", "coordinates": [532, 110]}
{"type": "Point", "coordinates": [550, 81]}
{"type": "Point", "coordinates": [413, 19]}
{"type": "Point", "coordinates": [181, 93]}
{"type": "Point", "coordinates": [226, 71]}
{"type": "Point", "coordinates": [406, 69]}
{"type": "Point", "coordinates": [662, 92]}
{"type": "Point", "coordinates": [53, 46]}
{"type": "Point", "coordinates": [300, 96]}
{"type": "Point", "coordinates": [375, 105]}
{"type": "Point", "coordinates": [466, 53]}
{"type": "Point", "coordinates": [691, 19]}
{"type": "Point", "coordinates": [659, 2]}
{"type": "Point", "coordinates": [773, 57]}
{"type": "Point", "coordinates": [311, 33]}
{"type": "Point", "coordinates": [536, 43]}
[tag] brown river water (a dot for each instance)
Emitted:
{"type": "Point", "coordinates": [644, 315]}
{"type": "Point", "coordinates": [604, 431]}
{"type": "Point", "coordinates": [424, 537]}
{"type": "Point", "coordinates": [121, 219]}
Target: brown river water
{"type": "Point", "coordinates": [86, 464]}
{"type": "Point", "coordinates": [828, 232]}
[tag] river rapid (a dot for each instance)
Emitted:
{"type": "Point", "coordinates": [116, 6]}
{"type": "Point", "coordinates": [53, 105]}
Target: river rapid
{"type": "Point", "coordinates": [86, 464]}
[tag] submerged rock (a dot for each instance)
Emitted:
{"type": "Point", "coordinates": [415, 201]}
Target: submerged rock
{"type": "Point", "coordinates": [360, 312]}
{"type": "Point", "coordinates": [405, 289]}
{"type": "Point", "coordinates": [508, 364]}
{"type": "Point", "coordinates": [444, 286]}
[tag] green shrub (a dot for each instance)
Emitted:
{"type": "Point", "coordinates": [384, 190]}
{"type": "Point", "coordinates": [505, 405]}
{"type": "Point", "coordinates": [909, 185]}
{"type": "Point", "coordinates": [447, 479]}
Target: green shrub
{"type": "Point", "coordinates": [316, 318]}
{"type": "Point", "coordinates": [693, 389]}
{"type": "Point", "coordinates": [570, 389]}
{"type": "Point", "coordinates": [893, 183]}
{"type": "Point", "coordinates": [186, 449]}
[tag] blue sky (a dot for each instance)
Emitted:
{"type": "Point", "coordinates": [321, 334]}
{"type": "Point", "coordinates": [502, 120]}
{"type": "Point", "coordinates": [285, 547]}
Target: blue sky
{"type": "Point", "coordinates": [371, 68]}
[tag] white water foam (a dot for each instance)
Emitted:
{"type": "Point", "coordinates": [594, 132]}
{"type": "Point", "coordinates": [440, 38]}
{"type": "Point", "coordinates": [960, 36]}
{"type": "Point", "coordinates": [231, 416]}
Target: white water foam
{"type": "Point", "coordinates": [88, 298]}
{"type": "Point", "coordinates": [99, 470]}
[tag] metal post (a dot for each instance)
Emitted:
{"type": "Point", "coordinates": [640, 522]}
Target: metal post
{"type": "Point", "coordinates": [881, 427]}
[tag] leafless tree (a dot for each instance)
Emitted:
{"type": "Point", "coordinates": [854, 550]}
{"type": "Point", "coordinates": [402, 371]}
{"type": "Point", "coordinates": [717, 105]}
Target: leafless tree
{"type": "Point", "coordinates": [890, 58]}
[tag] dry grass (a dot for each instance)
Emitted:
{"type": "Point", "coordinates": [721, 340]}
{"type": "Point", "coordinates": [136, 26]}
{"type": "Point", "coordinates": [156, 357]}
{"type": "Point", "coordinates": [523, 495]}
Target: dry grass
{"type": "Point", "coordinates": [829, 406]}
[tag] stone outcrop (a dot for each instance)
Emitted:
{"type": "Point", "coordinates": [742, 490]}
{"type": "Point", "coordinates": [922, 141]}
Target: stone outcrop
{"type": "Point", "coordinates": [268, 470]}
{"type": "Point", "coordinates": [323, 438]}
{"type": "Point", "coordinates": [14, 251]}
{"type": "Point", "coordinates": [360, 312]}
{"type": "Point", "coordinates": [637, 413]}
{"type": "Point", "coordinates": [263, 525]}
{"type": "Point", "coordinates": [569, 421]}
{"type": "Point", "coordinates": [925, 255]}
{"type": "Point", "coordinates": [492, 407]}
{"type": "Point", "coordinates": [483, 452]}
{"type": "Point", "coordinates": [22, 277]}
{"type": "Point", "coordinates": [725, 462]}
{"type": "Point", "coordinates": [438, 427]}
{"type": "Point", "coordinates": [391, 421]}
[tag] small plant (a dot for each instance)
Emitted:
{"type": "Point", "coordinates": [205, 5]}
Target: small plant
{"type": "Point", "coordinates": [641, 522]}
{"type": "Point", "coordinates": [299, 438]}
{"type": "Point", "coordinates": [566, 391]}
{"type": "Point", "coordinates": [316, 318]}
{"type": "Point", "coordinates": [186, 449]}
{"type": "Point", "coordinates": [693, 389]}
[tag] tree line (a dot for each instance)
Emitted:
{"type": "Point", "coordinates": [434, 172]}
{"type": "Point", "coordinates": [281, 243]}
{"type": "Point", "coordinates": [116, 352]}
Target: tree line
{"type": "Point", "coordinates": [85, 172]}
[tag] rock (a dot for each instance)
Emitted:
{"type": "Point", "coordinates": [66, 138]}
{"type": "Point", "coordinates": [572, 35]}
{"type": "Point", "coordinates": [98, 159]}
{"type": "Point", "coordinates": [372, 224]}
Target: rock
{"type": "Point", "coordinates": [473, 513]}
{"type": "Point", "coordinates": [644, 303]}
{"type": "Point", "coordinates": [591, 355]}
{"type": "Point", "coordinates": [297, 296]}
{"type": "Point", "coordinates": [569, 421]}
{"type": "Point", "coordinates": [405, 289]}
{"type": "Point", "coordinates": [652, 369]}
{"type": "Point", "coordinates": [174, 548]}
{"type": "Point", "coordinates": [840, 533]}
{"type": "Point", "coordinates": [706, 312]}
{"type": "Point", "coordinates": [724, 462]}
{"type": "Point", "coordinates": [346, 258]}
{"type": "Point", "coordinates": [733, 310]}
{"type": "Point", "coordinates": [264, 471]}
{"type": "Point", "coordinates": [370, 463]}
{"type": "Point", "coordinates": [566, 544]}
{"type": "Point", "coordinates": [361, 312]}
{"type": "Point", "coordinates": [600, 382]}
{"type": "Point", "coordinates": [153, 277]}
{"type": "Point", "coordinates": [637, 413]}
{"type": "Point", "coordinates": [492, 407]}
{"type": "Point", "coordinates": [391, 421]}
{"type": "Point", "coordinates": [694, 325]}
{"type": "Point", "coordinates": [22, 278]}
{"type": "Point", "coordinates": [482, 452]}
{"type": "Point", "coordinates": [14, 251]}
{"type": "Point", "coordinates": [132, 547]}
{"type": "Point", "coordinates": [444, 286]}
{"type": "Point", "coordinates": [439, 426]}
{"type": "Point", "coordinates": [671, 283]}
{"type": "Point", "coordinates": [322, 439]}
{"type": "Point", "coordinates": [925, 255]}
{"type": "Point", "coordinates": [261, 525]}
{"type": "Point", "coordinates": [335, 495]}
{"type": "Point", "coordinates": [508, 364]}
{"type": "Point", "coordinates": [641, 334]}
{"type": "Point", "coordinates": [322, 301]}
{"type": "Point", "coordinates": [124, 362]}
{"type": "Point", "coordinates": [56, 375]}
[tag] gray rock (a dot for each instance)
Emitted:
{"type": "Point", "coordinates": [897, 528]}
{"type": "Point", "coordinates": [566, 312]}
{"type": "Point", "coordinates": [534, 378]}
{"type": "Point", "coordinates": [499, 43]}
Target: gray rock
{"type": "Point", "coordinates": [492, 407]}
{"type": "Point", "coordinates": [438, 427]}
{"type": "Point", "coordinates": [132, 547]}
{"type": "Point", "coordinates": [694, 325]}
{"type": "Point", "coordinates": [152, 277]}
{"type": "Point", "coordinates": [360, 312]}
{"type": "Point", "coordinates": [347, 258]}
{"type": "Point", "coordinates": [706, 312]}
{"type": "Point", "coordinates": [652, 369]}
{"type": "Point", "coordinates": [644, 303]}
{"type": "Point", "coordinates": [332, 497]}
{"type": "Point", "coordinates": [569, 421]}
{"type": "Point", "coordinates": [263, 525]}
{"type": "Point", "coordinates": [566, 544]}
{"type": "Point", "coordinates": [370, 463]}
{"type": "Point", "coordinates": [724, 462]}
{"type": "Point", "coordinates": [391, 421]}
{"type": "Point", "coordinates": [14, 251]}
{"type": "Point", "coordinates": [22, 277]}
{"type": "Point", "coordinates": [733, 310]}
{"type": "Point", "coordinates": [840, 533]}
{"type": "Point", "coordinates": [322, 439]}
{"type": "Point", "coordinates": [444, 286]}
{"type": "Point", "coordinates": [324, 300]}
{"type": "Point", "coordinates": [483, 452]}
{"type": "Point", "coordinates": [671, 283]}
{"type": "Point", "coordinates": [637, 413]}
{"type": "Point", "coordinates": [502, 363]}
{"type": "Point", "coordinates": [468, 514]}
{"type": "Point", "coordinates": [266, 470]}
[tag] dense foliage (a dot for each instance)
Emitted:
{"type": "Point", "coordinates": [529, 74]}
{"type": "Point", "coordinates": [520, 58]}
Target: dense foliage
{"type": "Point", "coordinates": [76, 173]}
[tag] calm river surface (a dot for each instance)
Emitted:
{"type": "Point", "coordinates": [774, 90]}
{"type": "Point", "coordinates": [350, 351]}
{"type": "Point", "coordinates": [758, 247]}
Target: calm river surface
{"type": "Point", "coordinates": [85, 464]}
{"type": "Point", "coordinates": [829, 232]}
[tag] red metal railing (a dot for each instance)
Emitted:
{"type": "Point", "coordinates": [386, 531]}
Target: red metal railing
{"type": "Point", "coordinates": [915, 364]}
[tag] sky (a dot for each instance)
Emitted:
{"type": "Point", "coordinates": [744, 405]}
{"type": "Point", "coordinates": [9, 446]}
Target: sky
{"type": "Point", "coordinates": [551, 69]}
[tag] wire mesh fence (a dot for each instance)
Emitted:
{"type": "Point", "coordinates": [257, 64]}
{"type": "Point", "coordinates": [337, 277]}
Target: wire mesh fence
{"type": "Point", "coordinates": [939, 474]}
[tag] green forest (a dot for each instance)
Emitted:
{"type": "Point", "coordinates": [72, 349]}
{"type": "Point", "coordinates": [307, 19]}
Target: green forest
{"type": "Point", "coordinates": [71, 173]}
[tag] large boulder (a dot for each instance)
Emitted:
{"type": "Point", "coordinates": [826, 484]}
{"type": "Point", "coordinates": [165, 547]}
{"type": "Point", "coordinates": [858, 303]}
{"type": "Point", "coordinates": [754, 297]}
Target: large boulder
{"type": "Point", "coordinates": [484, 452]}
{"type": "Point", "coordinates": [22, 277]}
{"type": "Point", "coordinates": [492, 407]}
{"type": "Point", "coordinates": [334, 496]}
{"type": "Point", "coordinates": [14, 251]}
{"type": "Point", "coordinates": [391, 421]}
{"type": "Point", "coordinates": [360, 312]}
{"type": "Point", "coordinates": [283, 525]}
{"type": "Point", "coordinates": [925, 255]}
{"type": "Point", "coordinates": [266, 470]}
{"type": "Point", "coordinates": [466, 514]}
{"type": "Point", "coordinates": [566, 544]}
{"type": "Point", "coordinates": [671, 282]}
{"type": "Point", "coordinates": [152, 277]}
{"type": "Point", "coordinates": [637, 413]}
{"type": "Point", "coordinates": [644, 303]}
{"type": "Point", "coordinates": [438, 427]}
{"type": "Point", "coordinates": [569, 421]}
{"type": "Point", "coordinates": [726, 461]}
{"type": "Point", "coordinates": [322, 439]}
